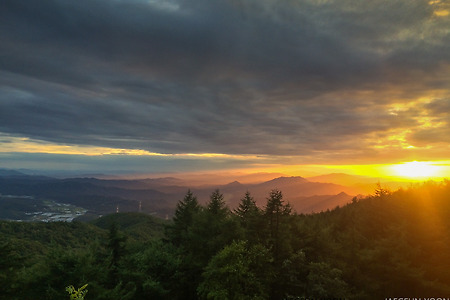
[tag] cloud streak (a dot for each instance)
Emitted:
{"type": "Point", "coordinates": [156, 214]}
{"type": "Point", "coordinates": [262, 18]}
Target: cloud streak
{"type": "Point", "coordinates": [319, 80]}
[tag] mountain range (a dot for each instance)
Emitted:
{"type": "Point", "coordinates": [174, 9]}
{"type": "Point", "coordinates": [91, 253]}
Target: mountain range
{"type": "Point", "coordinates": [159, 196]}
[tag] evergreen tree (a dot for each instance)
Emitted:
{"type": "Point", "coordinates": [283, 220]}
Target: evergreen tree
{"type": "Point", "coordinates": [200, 233]}
{"type": "Point", "coordinates": [212, 229]}
{"type": "Point", "coordinates": [184, 217]}
{"type": "Point", "coordinates": [249, 217]}
{"type": "Point", "coordinates": [382, 245]}
{"type": "Point", "coordinates": [247, 207]}
{"type": "Point", "coordinates": [216, 205]}
{"type": "Point", "coordinates": [276, 214]}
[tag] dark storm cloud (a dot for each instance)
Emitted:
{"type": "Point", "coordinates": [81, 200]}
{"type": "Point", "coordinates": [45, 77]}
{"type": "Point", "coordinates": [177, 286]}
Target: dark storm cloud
{"type": "Point", "coordinates": [438, 129]}
{"type": "Point", "coordinates": [439, 107]}
{"type": "Point", "coordinates": [238, 77]}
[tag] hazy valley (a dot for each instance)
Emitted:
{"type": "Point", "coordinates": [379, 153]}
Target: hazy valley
{"type": "Point", "coordinates": [32, 197]}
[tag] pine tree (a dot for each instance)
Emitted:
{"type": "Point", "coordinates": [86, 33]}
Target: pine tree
{"type": "Point", "coordinates": [249, 217]}
{"type": "Point", "coordinates": [213, 228]}
{"type": "Point", "coordinates": [275, 210]}
{"type": "Point", "coordinates": [276, 214]}
{"type": "Point", "coordinates": [216, 205]}
{"type": "Point", "coordinates": [247, 207]}
{"type": "Point", "coordinates": [183, 219]}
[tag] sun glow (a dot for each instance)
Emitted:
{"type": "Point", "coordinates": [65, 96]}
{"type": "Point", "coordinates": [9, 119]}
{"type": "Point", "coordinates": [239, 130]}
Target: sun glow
{"type": "Point", "coordinates": [417, 169]}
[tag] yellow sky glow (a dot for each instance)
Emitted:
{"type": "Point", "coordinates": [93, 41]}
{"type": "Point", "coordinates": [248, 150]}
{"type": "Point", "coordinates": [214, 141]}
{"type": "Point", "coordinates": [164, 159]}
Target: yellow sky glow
{"type": "Point", "coordinates": [441, 13]}
{"type": "Point", "coordinates": [441, 7]}
{"type": "Point", "coordinates": [418, 169]}
{"type": "Point", "coordinates": [26, 145]}
{"type": "Point", "coordinates": [406, 171]}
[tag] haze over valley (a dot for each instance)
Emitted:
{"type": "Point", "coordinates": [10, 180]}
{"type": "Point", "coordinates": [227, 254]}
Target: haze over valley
{"type": "Point", "coordinates": [37, 198]}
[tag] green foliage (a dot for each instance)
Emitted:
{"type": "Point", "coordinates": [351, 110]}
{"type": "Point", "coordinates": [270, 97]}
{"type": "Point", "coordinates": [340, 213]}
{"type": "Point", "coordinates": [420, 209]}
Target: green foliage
{"type": "Point", "coordinates": [154, 268]}
{"type": "Point", "coordinates": [277, 217]}
{"type": "Point", "coordinates": [77, 294]}
{"type": "Point", "coordinates": [237, 272]}
{"type": "Point", "coordinates": [10, 264]}
{"type": "Point", "coordinates": [216, 205]}
{"type": "Point", "coordinates": [116, 246]}
{"type": "Point", "coordinates": [185, 213]}
{"type": "Point", "coordinates": [212, 229]}
{"type": "Point", "coordinates": [137, 226]}
{"type": "Point", "coordinates": [250, 219]}
{"type": "Point", "coordinates": [324, 281]}
{"type": "Point", "coordinates": [390, 243]}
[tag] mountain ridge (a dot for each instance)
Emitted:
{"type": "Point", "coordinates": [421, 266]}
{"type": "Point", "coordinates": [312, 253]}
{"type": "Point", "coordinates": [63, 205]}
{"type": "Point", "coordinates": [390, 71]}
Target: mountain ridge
{"type": "Point", "coordinates": [159, 196]}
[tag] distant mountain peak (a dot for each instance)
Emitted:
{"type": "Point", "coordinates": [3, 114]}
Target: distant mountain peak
{"type": "Point", "coordinates": [234, 184]}
{"type": "Point", "coordinates": [342, 194]}
{"type": "Point", "coordinates": [288, 180]}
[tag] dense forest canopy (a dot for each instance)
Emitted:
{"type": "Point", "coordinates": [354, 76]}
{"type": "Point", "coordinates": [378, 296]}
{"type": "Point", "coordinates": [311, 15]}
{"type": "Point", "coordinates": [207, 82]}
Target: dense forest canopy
{"type": "Point", "coordinates": [389, 244]}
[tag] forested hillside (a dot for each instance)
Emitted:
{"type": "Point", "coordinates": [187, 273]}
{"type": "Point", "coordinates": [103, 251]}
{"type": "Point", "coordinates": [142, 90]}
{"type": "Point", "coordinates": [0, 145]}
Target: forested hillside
{"type": "Point", "coordinates": [389, 244]}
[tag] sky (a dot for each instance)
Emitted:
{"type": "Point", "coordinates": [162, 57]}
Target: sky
{"type": "Point", "coordinates": [155, 86]}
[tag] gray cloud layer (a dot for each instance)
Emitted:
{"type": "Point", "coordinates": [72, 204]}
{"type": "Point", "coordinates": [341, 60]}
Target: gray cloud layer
{"type": "Point", "coordinates": [271, 77]}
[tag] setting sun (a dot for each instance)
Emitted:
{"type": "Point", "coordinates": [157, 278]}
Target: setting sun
{"type": "Point", "coordinates": [417, 169]}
